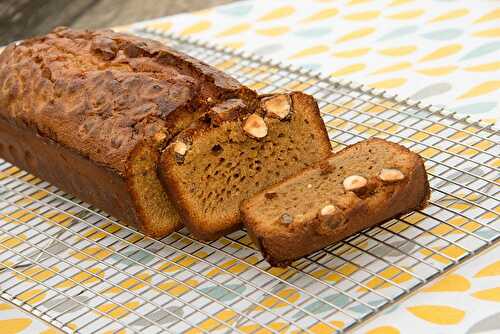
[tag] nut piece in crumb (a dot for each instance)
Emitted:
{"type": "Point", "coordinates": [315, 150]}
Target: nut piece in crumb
{"type": "Point", "coordinates": [226, 111]}
{"type": "Point", "coordinates": [355, 183]}
{"type": "Point", "coordinates": [286, 219]}
{"type": "Point", "coordinates": [277, 106]}
{"type": "Point", "coordinates": [180, 150]}
{"type": "Point", "coordinates": [391, 175]}
{"type": "Point", "coordinates": [270, 195]}
{"type": "Point", "coordinates": [159, 138]}
{"type": "Point", "coordinates": [255, 126]}
{"type": "Point", "coordinates": [328, 210]}
{"type": "Point", "coordinates": [331, 218]}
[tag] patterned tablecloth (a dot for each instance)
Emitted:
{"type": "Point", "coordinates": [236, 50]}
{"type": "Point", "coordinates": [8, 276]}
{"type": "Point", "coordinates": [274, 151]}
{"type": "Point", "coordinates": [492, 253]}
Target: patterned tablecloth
{"type": "Point", "coordinates": [442, 52]}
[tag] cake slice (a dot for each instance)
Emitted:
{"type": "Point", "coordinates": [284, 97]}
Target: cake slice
{"type": "Point", "coordinates": [236, 151]}
{"type": "Point", "coordinates": [361, 186]}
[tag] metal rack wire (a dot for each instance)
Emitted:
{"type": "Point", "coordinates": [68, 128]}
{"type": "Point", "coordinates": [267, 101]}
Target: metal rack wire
{"type": "Point", "coordinates": [79, 269]}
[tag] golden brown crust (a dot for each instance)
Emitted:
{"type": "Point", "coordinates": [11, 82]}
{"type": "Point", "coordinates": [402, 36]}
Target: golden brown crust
{"type": "Point", "coordinates": [104, 96]}
{"type": "Point", "coordinates": [281, 245]}
{"type": "Point", "coordinates": [51, 161]}
{"type": "Point", "coordinates": [101, 93]}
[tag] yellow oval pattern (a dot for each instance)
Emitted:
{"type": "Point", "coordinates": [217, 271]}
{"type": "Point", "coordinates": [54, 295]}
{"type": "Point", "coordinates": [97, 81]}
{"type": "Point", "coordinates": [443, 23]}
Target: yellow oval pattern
{"type": "Point", "coordinates": [175, 288]}
{"type": "Point", "coordinates": [407, 15]}
{"type": "Point", "coordinates": [234, 45]}
{"type": "Point", "coordinates": [437, 71]}
{"type": "Point", "coordinates": [274, 31]}
{"type": "Point", "coordinates": [454, 14]}
{"type": "Point", "coordinates": [322, 15]}
{"type": "Point", "coordinates": [18, 217]}
{"type": "Point", "coordinates": [357, 2]}
{"type": "Point", "coordinates": [438, 314]}
{"type": "Point", "coordinates": [5, 307]}
{"type": "Point", "coordinates": [327, 275]}
{"type": "Point", "coordinates": [442, 52]}
{"type": "Point", "coordinates": [491, 16]}
{"type": "Point", "coordinates": [398, 51]}
{"type": "Point", "coordinates": [383, 330]}
{"type": "Point", "coordinates": [289, 295]}
{"type": "Point", "coordinates": [393, 68]}
{"type": "Point", "coordinates": [363, 16]}
{"type": "Point", "coordinates": [492, 295]}
{"type": "Point", "coordinates": [356, 34]}
{"type": "Point", "coordinates": [92, 253]}
{"type": "Point", "coordinates": [450, 283]}
{"type": "Point", "coordinates": [11, 242]}
{"type": "Point", "coordinates": [488, 67]}
{"type": "Point", "coordinates": [234, 30]}
{"type": "Point", "coordinates": [278, 13]}
{"type": "Point", "coordinates": [131, 283]}
{"type": "Point", "coordinates": [83, 278]}
{"type": "Point", "coordinates": [165, 26]}
{"type": "Point", "coordinates": [32, 296]}
{"type": "Point", "coordinates": [352, 53]}
{"type": "Point", "coordinates": [388, 275]}
{"type": "Point", "coordinates": [395, 3]}
{"type": "Point", "coordinates": [389, 83]}
{"type": "Point", "coordinates": [492, 269]}
{"type": "Point", "coordinates": [349, 70]}
{"type": "Point", "coordinates": [13, 326]}
{"type": "Point", "coordinates": [493, 32]}
{"type": "Point", "coordinates": [322, 328]}
{"type": "Point", "coordinates": [311, 51]}
{"type": "Point", "coordinates": [196, 28]}
{"type": "Point", "coordinates": [481, 89]}
{"type": "Point", "coordinates": [37, 274]}
{"type": "Point", "coordinates": [115, 311]}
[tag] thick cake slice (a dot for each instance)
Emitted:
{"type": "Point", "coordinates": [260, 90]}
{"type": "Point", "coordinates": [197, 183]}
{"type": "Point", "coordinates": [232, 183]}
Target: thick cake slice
{"type": "Point", "coordinates": [237, 151]}
{"type": "Point", "coordinates": [361, 186]}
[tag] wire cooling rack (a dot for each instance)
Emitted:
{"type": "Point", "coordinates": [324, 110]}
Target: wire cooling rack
{"type": "Point", "coordinates": [79, 269]}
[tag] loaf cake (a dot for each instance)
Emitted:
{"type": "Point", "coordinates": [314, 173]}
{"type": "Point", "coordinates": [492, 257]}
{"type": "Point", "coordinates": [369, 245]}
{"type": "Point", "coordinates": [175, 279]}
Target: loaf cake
{"type": "Point", "coordinates": [91, 111]}
{"type": "Point", "coordinates": [236, 151]}
{"type": "Point", "coordinates": [363, 185]}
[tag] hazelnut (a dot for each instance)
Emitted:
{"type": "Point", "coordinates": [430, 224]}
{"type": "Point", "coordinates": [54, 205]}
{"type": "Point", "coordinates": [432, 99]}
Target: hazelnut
{"type": "Point", "coordinates": [159, 137]}
{"type": "Point", "coordinates": [226, 111]}
{"type": "Point", "coordinates": [286, 219]}
{"type": "Point", "coordinates": [180, 149]}
{"type": "Point", "coordinates": [277, 106]}
{"type": "Point", "coordinates": [328, 210]}
{"type": "Point", "coordinates": [255, 126]}
{"type": "Point", "coordinates": [331, 218]}
{"type": "Point", "coordinates": [390, 175]}
{"type": "Point", "coordinates": [354, 183]}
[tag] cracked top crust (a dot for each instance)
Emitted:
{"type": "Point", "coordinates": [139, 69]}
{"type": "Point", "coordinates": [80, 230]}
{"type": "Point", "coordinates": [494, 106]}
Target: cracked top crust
{"type": "Point", "coordinates": [101, 93]}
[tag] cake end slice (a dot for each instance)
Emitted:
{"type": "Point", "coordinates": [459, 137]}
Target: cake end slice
{"type": "Point", "coordinates": [361, 186]}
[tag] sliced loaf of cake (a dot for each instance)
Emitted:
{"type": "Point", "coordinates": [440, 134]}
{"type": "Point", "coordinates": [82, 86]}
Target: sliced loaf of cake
{"type": "Point", "coordinates": [236, 151]}
{"type": "Point", "coordinates": [363, 185]}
